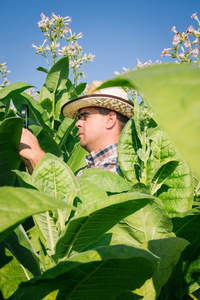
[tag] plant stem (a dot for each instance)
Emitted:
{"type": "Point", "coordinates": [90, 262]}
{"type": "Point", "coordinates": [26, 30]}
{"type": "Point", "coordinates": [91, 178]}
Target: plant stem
{"type": "Point", "coordinates": [47, 62]}
{"type": "Point", "coordinates": [144, 171]}
{"type": "Point", "coordinates": [53, 110]}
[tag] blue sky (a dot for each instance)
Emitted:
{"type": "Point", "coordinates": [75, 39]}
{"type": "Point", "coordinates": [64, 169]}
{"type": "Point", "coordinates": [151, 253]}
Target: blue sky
{"type": "Point", "coordinates": [117, 32]}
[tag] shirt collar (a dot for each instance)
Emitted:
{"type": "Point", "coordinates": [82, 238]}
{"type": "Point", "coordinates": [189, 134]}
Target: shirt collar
{"type": "Point", "coordinates": [93, 157]}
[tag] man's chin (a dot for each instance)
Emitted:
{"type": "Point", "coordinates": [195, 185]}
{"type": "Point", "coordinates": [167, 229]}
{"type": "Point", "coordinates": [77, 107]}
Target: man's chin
{"type": "Point", "coordinates": [84, 146]}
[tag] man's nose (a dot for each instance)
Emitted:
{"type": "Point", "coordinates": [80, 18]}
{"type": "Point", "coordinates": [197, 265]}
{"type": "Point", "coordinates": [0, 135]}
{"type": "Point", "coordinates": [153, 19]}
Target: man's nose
{"type": "Point", "coordinates": [78, 124]}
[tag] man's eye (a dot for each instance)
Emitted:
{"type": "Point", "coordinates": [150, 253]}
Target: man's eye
{"type": "Point", "coordinates": [84, 117]}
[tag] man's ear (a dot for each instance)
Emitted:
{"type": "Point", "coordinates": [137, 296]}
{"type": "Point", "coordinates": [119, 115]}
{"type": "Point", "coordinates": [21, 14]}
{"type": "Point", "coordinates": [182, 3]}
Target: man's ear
{"type": "Point", "coordinates": [111, 120]}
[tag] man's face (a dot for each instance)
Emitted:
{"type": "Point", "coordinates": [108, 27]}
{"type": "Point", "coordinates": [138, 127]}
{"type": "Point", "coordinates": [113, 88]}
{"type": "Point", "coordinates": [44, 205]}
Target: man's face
{"type": "Point", "coordinates": [91, 125]}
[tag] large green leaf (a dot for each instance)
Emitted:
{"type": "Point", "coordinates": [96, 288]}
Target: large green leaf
{"type": "Point", "coordinates": [149, 223]}
{"type": "Point", "coordinates": [97, 274]}
{"type": "Point", "coordinates": [5, 109]}
{"type": "Point", "coordinates": [177, 191]}
{"type": "Point", "coordinates": [19, 261]}
{"type": "Point", "coordinates": [12, 272]}
{"type": "Point", "coordinates": [47, 143]}
{"type": "Point", "coordinates": [54, 177]}
{"type": "Point", "coordinates": [186, 225]}
{"type": "Point", "coordinates": [20, 246]}
{"type": "Point", "coordinates": [36, 112]}
{"type": "Point", "coordinates": [163, 171]}
{"type": "Point", "coordinates": [61, 99]}
{"type": "Point", "coordinates": [63, 131]}
{"type": "Point", "coordinates": [89, 192]}
{"type": "Point", "coordinates": [129, 144]}
{"type": "Point", "coordinates": [80, 88]}
{"type": "Point", "coordinates": [58, 73]}
{"type": "Point", "coordinates": [169, 251]}
{"type": "Point", "coordinates": [57, 177]}
{"type": "Point", "coordinates": [18, 204]}
{"type": "Point", "coordinates": [44, 94]}
{"type": "Point", "coordinates": [106, 180]}
{"type": "Point", "coordinates": [150, 226]}
{"type": "Point", "coordinates": [77, 159]}
{"type": "Point", "coordinates": [174, 184]}
{"type": "Point", "coordinates": [97, 218]}
{"type": "Point", "coordinates": [10, 134]}
{"type": "Point", "coordinates": [174, 92]}
{"type": "Point", "coordinates": [13, 89]}
{"type": "Point", "coordinates": [172, 288]}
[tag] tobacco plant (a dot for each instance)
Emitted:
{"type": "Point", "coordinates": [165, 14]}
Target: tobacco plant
{"type": "Point", "coordinates": [103, 236]}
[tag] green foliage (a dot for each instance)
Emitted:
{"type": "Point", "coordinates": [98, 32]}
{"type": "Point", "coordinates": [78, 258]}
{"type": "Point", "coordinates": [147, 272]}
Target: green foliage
{"type": "Point", "coordinates": [163, 171]}
{"type": "Point", "coordinates": [58, 75]}
{"type": "Point", "coordinates": [173, 92]}
{"type": "Point", "coordinates": [111, 183]}
{"type": "Point", "coordinates": [18, 204]}
{"type": "Point", "coordinates": [10, 133]}
{"type": "Point", "coordinates": [128, 236]}
{"type": "Point", "coordinates": [99, 267]}
{"type": "Point", "coordinates": [13, 89]}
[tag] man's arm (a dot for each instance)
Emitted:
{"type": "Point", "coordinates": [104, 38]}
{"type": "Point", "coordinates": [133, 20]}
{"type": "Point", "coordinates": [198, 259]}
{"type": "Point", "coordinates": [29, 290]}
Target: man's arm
{"type": "Point", "coordinates": [29, 149]}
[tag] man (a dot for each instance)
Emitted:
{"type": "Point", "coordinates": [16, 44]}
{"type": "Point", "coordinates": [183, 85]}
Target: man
{"type": "Point", "coordinates": [101, 116]}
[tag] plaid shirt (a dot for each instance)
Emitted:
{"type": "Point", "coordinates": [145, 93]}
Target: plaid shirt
{"type": "Point", "coordinates": [105, 158]}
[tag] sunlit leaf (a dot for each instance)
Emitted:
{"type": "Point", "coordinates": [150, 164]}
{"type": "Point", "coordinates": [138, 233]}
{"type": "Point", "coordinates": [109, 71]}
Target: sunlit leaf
{"type": "Point", "coordinates": [173, 91]}
{"type": "Point", "coordinates": [106, 180]}
{"type": "Point", "coordinates": [57, 74]}
{"type": "Point", "coordinates": [18, 204]}
{"type": "Point", "coordinates": [97, 218]}
{"type": "Point", "coordinates": [77, 159]}
{"type": "Point", "coordinates": [14, 89]}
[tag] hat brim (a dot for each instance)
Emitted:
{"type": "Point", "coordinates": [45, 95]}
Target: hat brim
{"type": "Point", "coordinates": [120, 105]}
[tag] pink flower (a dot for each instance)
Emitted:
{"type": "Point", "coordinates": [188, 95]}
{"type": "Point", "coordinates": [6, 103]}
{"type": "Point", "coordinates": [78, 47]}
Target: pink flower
{"type": "Point", "coordinates": [91, 57]}
{"type": "Point", "coordinates": [60, 52]}
{"type": "Point", "coordinates": [196, 41]}
{"type": "Point", "coordinates": [54, 16]}
{"type": "Point", "coordinates": [190, 29]}
{"type": "Point", "coordinates": [67, 28]}
{"type": "Point", "coordinates": [79, 36]}
{"type": "Point", "coordinates": [41, 24]}
{"type": "Point", "coordinates": [126, 69]}
{"type": "Point", "coordinates": [195, 52]}
{"type": "Point", "coordinates": [47, 47]}
{"type": "Point", "coordinates": [187, 44]}
{"type": "Point", "coordinates": [181, 55]}
{"type": "Point", "coordinates": [176, 39]}
{"type": "Point", "coordinates": [173, 29]}
{"type": "Point", "coordinates": [71, 63]}
{"type": "Point", "coordinates": [194, 16]}
{"type": "Point", "coordinates": [55, 45]}
{"type": "Point", "coordinates": [165, 52]}
{"type": "Point", "coordinates": [139, 64]}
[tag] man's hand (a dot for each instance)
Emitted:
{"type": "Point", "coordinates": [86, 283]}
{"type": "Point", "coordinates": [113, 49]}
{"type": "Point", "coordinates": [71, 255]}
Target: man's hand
{"type": "Point", "coordinates": [29, 149]}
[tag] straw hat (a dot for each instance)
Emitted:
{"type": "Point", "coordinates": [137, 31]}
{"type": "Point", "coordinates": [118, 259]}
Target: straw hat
{"type": "Point", "coordinates": [114, 98]}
